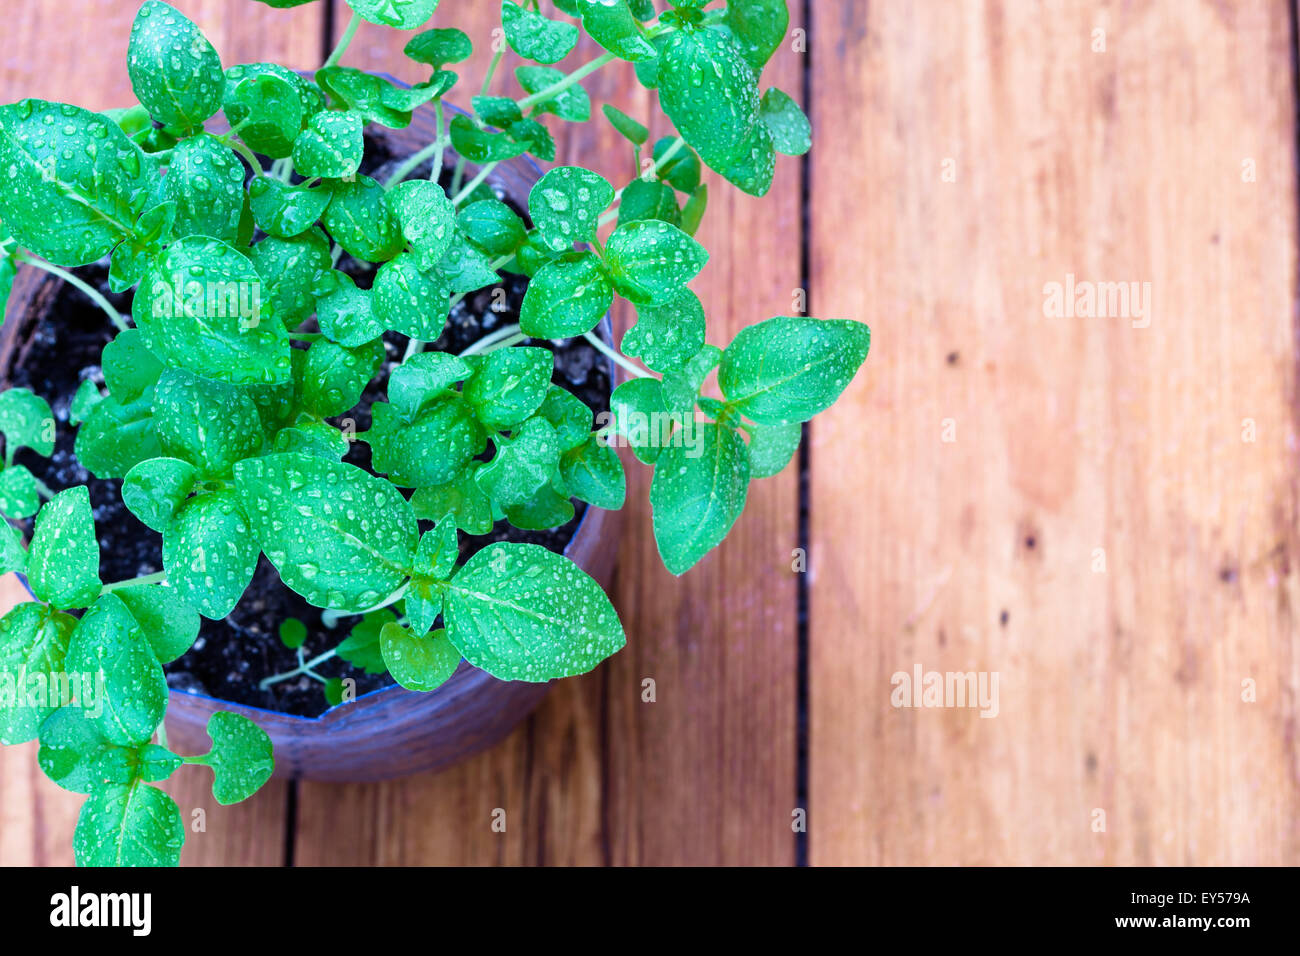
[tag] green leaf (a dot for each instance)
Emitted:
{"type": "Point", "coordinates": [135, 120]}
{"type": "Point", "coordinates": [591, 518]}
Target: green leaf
{"type": "Point", "coordinates": [76, 754]}
{"type": "Point", "coordinates": [331, 146]}
{"type": "Point", "coordinates": [374, 98]}
{"type": "Point", "coordinates": [547, 509]}
{"type": "Point", "coordinates": [313, 438]}
{"type": "Point", "coordinates": [572, 103]}
{"type": "Point", "coordinates": [293, 633]}
{"type": "Point", "coordinates": [115, 438]}
{"type": "Point", "coordinates": [754, 167]}
{"type": "Point", "coordinates": [129, 825]}
{"type": "Point", "coordinates": [74, 183]}
{"type": "Point", "coordinates": [566, 203]}
{"type": "Point", "coordinates": [492, 226]}
{"type": "Point", "coordinates": [626, 125]}
{"type": "Point", "coordinates": [611, 24]}
{"type": "Point", "coordinates": [431, 449]}
{"type": "Point", "coordinates": [667, 336]}
{"type": "Point", "coordinates": [426, 217]}
{"type": "Point", "coordinates": [154, 490]}
{"type": "Point", "coordinates": [133, 698]}
{"type": "Point", "coordinates": [333, 376]}
{"type": "Point", "coordinates": [522, 465]}
{"type": "Point", "coordinates": [408, 300]}
{"type": "Point", "coordinates": [130, 369]}
{"type": "Point", "coordinates": [680, 170]}
{"type": "Point", "coordinates": [288, 268]}
{"type": "Point", "coordinates": [423, 377]}
{"type": "Point", "coordinates": [508, 385]}
{"type": "Point", "coordinates": [339, 536]}
{"type": "Point", "coordinates": [268, 109]}
{"type": "Point", "coordinates": [567, 297]}
{"type": "Point", "coordinates": [644, 199]}
{"type": "Point", "coordinates": [208, 553]}
{"type": "Point", "coordinates": [7, 273]}
{"type": "Point", "coordinates": [438, 47]}
{"type": "Point", "coordinates": [521, 612]}
{"type": "Point", "coordinates": [345, 312]}
{"type": "Point", "coordinates": [697, 494]}
{"type": "Point", "coordinates": [651, 261]}
{"type": "Point", "coordinates": [693, 211]}
{"type": "Point", "coordinates": [465, 267]}
{"type": "Point", "coordinates": [682, 385]}
{"type": "Point", "coordinates": [175, 72]}
{"type": "Point", "coordinates": [19, 497]}
{"type": "Point", "coordinates": [240, 757]}
{"type": "Point", "coordinates": [535, 136]}
{"type": "Point", "coordinates": [420, 663]}
{"type": "Point", "coordinates": [439, 548]}
{"type": "Point", "coordinates": [205, 180]}
{"type": "Point", "coordinates": [789, 369]}
{"type": "Point", "coordinates": [399, 14]}
{"type": "Point", "coordinates": [640, 416]}
{"type": "Point", "coordinates": [168, 622]}
{"type": "Point", "coordinates": [759, 27]}
{"type": "Point", "coordinates": [785, 120]}
{"type": "Point", "coordinates": [33, 647]}
{"type": "Point", "coordinates": [26, 421]}
{"type": "Point", "coordinates": [200, 308]}
{"type": "Point", "coordinates": [568, 414]}
{"type": "Point", "coordinates": [709, 92]}
{"type": "Point", "coordinates": [480, 146]}
{"type": "Point", "coordinates": [534, 37]}
{"type": "Point", "coordinates": [63, 560]}
{"type": "Point", "coordinates": [462, 499]}
{"type": "Point", "coordinates": [498, 111]}
{"type": "Point", "coordinates": [13, 556]}
{"type": "Point", "coordinates": [286, 211]}
{"type": "Point", "coordinates": [210, 424]}
{"type": "Point", "coordinates": [361, 647]}
{"type": "Point", "coordinates": [771, 447]}
{"type": "Point", "coordinates": [84, 401]}
{"type": "Point", "coordinates": [594, 473]}
{"type": "Point", "coordinates": [359, 219]}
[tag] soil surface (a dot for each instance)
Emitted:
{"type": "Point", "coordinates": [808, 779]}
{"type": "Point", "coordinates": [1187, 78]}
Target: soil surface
{"type": "Point", "coordinates": [232, 655]}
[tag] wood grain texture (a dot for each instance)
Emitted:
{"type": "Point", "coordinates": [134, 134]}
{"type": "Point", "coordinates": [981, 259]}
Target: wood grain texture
{"type": "Point", "coordinates": [89, 45]}
{"type": "Point", "coordinates": [1077, 440]}
{"type": "Point", "coordinates": [706, 774]}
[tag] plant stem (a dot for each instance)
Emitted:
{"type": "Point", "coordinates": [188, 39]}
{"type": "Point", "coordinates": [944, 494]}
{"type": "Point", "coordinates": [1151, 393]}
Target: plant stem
{"type": "Point", "coordinates": [330, 618]}
{"type": "Point", "coordinates": [473, 183]}
{"type": "Point", "coordinates": [610, 214]}
{"type": "Point", "coordinates": [507, 335]}
{"type": "Point", "coordinates": [348, 33]}
{"type": "Point", "coordinates": [492, 68]}
{"type": "Point", "coordinates": [559, 86]}
{"type": "Point", "coordinates": [415, 159]}
{"type": "Point", "coordinates": [157, 577]}
{"type": "Point", "coordinates": [249, 158]}
{"type": "Point", "coordinates": [42, 489]}
{"type": "Point", "coordinates": [72, 280]}
{"type": "Point", "coordinates": [613, 356]}
{"type": "Point", "coordinates": [306, 668]}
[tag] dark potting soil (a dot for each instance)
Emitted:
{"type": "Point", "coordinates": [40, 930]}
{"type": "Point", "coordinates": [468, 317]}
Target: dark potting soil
{"type": "Point", "coordinates": [232, 655]}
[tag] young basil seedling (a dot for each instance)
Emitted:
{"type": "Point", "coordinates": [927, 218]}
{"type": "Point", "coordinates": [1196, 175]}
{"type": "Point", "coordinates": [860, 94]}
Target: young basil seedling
{"type": "Point", "coordinates": [224, 402]}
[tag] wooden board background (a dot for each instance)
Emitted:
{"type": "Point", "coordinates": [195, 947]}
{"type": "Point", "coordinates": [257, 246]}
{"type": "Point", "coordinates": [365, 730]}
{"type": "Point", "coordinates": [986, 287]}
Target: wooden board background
{"type": "Point", "coordinates": [966, 154]}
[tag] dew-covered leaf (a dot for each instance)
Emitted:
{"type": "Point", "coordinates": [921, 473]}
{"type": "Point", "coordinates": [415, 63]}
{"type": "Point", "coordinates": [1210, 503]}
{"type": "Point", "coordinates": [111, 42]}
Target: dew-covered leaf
{"type": "Point", "coordinates": [130, 369]}
{"type": "Point", "coordinates": [132, 697]}
{"type": "Point", "coordinates": [433, 448]}
{"type": "Point", "coordinates": [209, 554]}
{"type": "Point", "coordinates": [569, 415]}
{"type": "Point", "coordinates": [33, 647]}
{"type": "Point", "coordinates": [114, 438]}
{"type": "Point", "coordinates": [339, 536]}
{"type": "Point", "coordinates": [523, 464]}
{"type": "Point", "coordinates": [209, 424]}
{"type": "Point", "coordinates": [423, 377]}
{"type": "Point", "coordinates": [240, 757]}
{"type": "Point", "coordinates": [410, 300]}
{"type": "Point", "coordinates": [521, 612]}
{"type": "Point", "coordinates": [508, 385]}
{"type": "Point", "coordinates": [418, 662]}
{"type": "Point", "coordinates": [566, 204]}
{"type": "Point", "coordinates": [345, 312]}
{"type": "Point", "coordinates": [611, 24]}
{"type": "Point", "coordinates": [641, 417]}
{"type": "Point", "coordinates": [709, 92]}
{"type": "Point", "coordinates": [19, 497]}
{"type": "Point", "coordinates": [359, 219]}
{"type": "Point", "coordinates": [572, 104]}
{"type": "Point", "coordinates": [175, 72]}
{"type": "Point", "coordinates": [535, 37]}
{"type": "Point", "coordinates": [666, 336]}
{"type": "Point", "coordinates": [439, 46]}
{"type": "Point", "coordinates": [129, 825]}
{"type": "Point", "coordinates": [166, 620]}
{"type": "Point", "coordinates": [771, 447]}
{"type": "Point", "coordinates": [697, 493]}
{"type": "Point", "coordinates": [332, 376]}
{"type": "Point", "coordinates": [567, 297]}
{"type": "Point", "coordinates": [645, 199]}
{"type": "Point", "coordinates": [593, 473]}
{"type": "Point", "coordinates": [492, 226]}
{"type": "Point", "coordinates": [361, 647]}
{"type": "Point", "coordinates": [462, 499]}
{"type": "Point", "coordinates": [26, 421]}
{"type": "Point", "coordinates": [201, 308]}
{"type": "Point", "coordinates": [788, 369]}
{"type": "Point", "coordinates": [154, 490]}
{"type": "Point", "coordinates": [480, 145]}
{"type": "Point", "coordinates": [286, 211]}
{"type": "Point", "coordinates": [785, 120]}
{"type": "Point", "coordinates": [331, 146]}
{"type": "Point", "coordinates": [426, 217]}
{"type": "Point", "coordinates": [289, 268]}
{"type": "Point", "coordinates": [63, 559]}
{"type": "Point", "coordinates": [652, 261]}
{"type": "Point", "coordinates": [205, 181]}
{"type": "Point", "coordinates": [268, 109]}
{"type": "Point", "coordinates": [759, 27]}
{"type": "Point", "coordinates": [398, 14]}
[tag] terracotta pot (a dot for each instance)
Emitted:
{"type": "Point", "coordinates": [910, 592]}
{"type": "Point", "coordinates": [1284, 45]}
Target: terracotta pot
{"type": "Point", "coordinates": [389, 732]}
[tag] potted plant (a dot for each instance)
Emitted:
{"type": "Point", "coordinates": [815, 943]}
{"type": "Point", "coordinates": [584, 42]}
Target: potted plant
{"type": "Point", "coordinates": [355, 373]}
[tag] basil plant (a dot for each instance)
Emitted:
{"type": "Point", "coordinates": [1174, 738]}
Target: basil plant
{"type": "Point", "coordinates": [246, 342]}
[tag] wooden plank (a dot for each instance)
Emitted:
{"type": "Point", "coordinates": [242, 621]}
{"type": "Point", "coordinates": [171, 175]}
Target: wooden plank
{"type": "Point", "coordinates": [706, 773]}
{"type": "Point", "coordinates": [90, 45]}
{"type": "Point", "coordinates": [1077, 440]}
